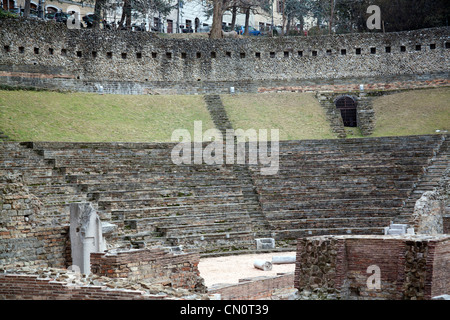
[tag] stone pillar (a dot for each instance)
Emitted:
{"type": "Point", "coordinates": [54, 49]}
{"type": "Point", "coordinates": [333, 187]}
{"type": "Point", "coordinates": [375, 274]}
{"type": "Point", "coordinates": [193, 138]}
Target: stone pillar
{"type": "Point", "coordinates": [85, 235]}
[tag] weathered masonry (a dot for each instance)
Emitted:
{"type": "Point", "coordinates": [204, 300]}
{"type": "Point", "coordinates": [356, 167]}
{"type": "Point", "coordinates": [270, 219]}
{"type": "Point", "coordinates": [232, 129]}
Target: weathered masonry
{"type": "Point", "coordinates": [50, 55]}
{"type": "Point", "coordinates": [407, 267]}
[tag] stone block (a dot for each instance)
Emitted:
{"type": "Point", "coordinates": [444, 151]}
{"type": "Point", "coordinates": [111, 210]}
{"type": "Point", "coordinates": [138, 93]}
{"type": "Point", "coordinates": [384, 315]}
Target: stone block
{"type": "Point", "coordinates": [265, 243]}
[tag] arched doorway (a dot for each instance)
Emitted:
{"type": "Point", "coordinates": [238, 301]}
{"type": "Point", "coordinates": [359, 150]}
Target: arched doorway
{"type": "Point", "coordinates": [347, 106]}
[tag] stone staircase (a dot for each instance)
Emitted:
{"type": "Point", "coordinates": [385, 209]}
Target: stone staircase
{"type": "Point", "coordinates": [218, 113]}
{"type": "Point", "coordinates": [430, 177]}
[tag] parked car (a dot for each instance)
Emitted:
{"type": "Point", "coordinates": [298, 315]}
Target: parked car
{"type": "Point", "coordinates": [204, 29]}
{"type": "Point", "coordinates": [50, 16]}
{"type": "Point", "coordinates": [89, 20]}
{"type": "Point", "coordinates": [251, 31]}
{"type": "Point", "coordinates": [57, 16]}
{"type": "Point", "coordinates": [188, 29]}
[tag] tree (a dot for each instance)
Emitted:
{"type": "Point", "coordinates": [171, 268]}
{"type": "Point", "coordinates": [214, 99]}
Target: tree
{"type": "Point", "coordinates": [26, 10]}
{"type": "Point", "coordinates": [98, 8]}
{"type": "Point", "coordinates": [130, 8]}
{"type": "Point", "coordinates": [296, 10]}
{"type": "Point", "coordinates": [126, 14]}
{"type": "Point", "coordinates": [253, 6]}
{"type": "Point", "coordinates": [219, 8]}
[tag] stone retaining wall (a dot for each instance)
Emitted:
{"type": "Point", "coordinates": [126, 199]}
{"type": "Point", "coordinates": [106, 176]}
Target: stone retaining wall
{"type": "Point", "coordinates": [49, 55]}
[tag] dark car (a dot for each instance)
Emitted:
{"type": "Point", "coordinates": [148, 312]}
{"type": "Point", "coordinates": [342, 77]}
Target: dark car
{"type": "Point", "coordinates": [50, 16]}
{"type": "Point", "coordinates": [58, 16]}
{"type": "Point", "coordinates": [89, 20]}
{"type": "Point", "coordinates": [188, 29]}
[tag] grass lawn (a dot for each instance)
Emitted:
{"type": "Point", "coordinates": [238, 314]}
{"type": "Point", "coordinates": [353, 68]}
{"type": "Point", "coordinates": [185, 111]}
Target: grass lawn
{"type": "Point", "coordinates": [85, 117]}
{"type": "Point", "coordinates": [296, 115]}
{"type": "Point", "coordinates": [89, 117]}
{"type": "Point", "coordinates": [412, 112]}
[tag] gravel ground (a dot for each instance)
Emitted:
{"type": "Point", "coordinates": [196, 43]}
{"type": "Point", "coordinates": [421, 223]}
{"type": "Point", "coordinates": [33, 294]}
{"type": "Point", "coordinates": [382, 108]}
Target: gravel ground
{"type": "Point", "coordinates": [229, 269]}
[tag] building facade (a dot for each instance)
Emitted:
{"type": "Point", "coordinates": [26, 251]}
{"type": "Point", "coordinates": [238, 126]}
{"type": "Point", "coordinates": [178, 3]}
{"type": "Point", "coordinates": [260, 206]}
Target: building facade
{"type": "Point", "coordinates": [185, 15]}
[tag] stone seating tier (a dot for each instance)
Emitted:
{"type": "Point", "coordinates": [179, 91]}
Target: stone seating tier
{"type": "Point", "coordinates": [346, 186]}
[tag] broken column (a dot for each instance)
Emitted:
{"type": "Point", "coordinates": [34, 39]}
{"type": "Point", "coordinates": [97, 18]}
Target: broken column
{"type": "Point", "coordinates": [262, 265]}
{"type": "Point", "coordinates": [283, 259]}
{"type": "Point", "coordinates": [85, 235]}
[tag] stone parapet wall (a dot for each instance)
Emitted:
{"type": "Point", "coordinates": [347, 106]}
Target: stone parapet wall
{"type": "Point", "coordinates": [140, 60]}
{"type": "Point", "coordinates": [343, 267]}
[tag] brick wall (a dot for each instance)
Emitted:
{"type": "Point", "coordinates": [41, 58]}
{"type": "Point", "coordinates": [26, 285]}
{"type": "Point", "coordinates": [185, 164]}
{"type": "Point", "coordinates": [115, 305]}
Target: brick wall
{"type": "Point", "coordinates": [31, 287]}
{"type": "Point", "coordinates": [254, 289]}
{"type": "Point", "coordinates": [413, 267]}
{"type": "Point", "coordinates": [440, 279]}
{"type": "Point", "coordinates": [150, 264]}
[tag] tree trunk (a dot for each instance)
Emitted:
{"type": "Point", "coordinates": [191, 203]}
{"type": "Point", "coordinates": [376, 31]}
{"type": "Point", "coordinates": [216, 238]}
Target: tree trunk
{"type": "Point", "coordinates": [97, 13]}
{"type": "Point", "coordinates": [126, 14]}
{"type": "Point", "coordinates": [233, 17]}
{"type": "Point", "coordinates": [26, 10]}
{"type": "Point", "coordinates": [128, 21]}
{"type": "Point", "coordinates": [283, 25]}
{"type": "Point", "coordinates": [216, 28]}
{"type": "Point", "coordinates": [247, 18]}
{"type": "Point", "coordinates": [288, 25]}
{"type": "Point", "coordinates": [331, 16]}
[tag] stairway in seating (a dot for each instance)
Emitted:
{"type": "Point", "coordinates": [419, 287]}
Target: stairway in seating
{"type": "Point", "coordinates": [432, 173]}
{"type": "Point", "coordinates": [222, 122]}
{"type": "Point", "coordinates": [218, 113]}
